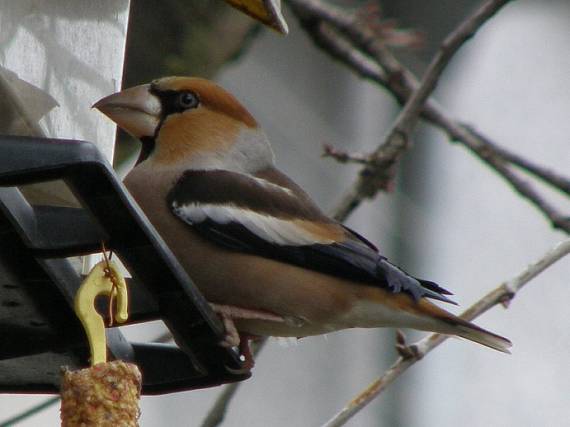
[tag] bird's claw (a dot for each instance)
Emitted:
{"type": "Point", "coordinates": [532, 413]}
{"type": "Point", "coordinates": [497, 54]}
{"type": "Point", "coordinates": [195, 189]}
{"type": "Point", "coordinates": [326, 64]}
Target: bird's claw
{"type": "Point", "coordinates": [232, 338]}
{"type": "Point", "coordinates": [231, 335]}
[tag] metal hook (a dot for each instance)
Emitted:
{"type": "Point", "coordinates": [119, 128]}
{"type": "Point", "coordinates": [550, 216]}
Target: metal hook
{"type": "Point", "coordinates": [103, 279]}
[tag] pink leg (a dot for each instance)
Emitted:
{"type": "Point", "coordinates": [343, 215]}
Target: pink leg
{"type": "Point", "coordinates": [245, 349]}
{"type": "Point", "coordinates": [232, 337]}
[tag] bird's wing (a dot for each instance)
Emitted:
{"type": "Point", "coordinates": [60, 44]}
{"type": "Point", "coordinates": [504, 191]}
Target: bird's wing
{"type": "Point", "coordinates": [269, 216]}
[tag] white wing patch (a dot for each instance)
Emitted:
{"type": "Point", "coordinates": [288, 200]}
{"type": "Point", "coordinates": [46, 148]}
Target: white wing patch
{"type": "Point", "coordinates": [274, 230]}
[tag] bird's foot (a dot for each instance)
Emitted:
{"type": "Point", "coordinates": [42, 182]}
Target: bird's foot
{"type": "Point", "coordinates": [232, 337]}
{"type": "Point", "coordinates": [245, 349]}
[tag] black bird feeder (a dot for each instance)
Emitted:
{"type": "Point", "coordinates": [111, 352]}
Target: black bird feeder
{"type": "Point", "coordinates": [38, 328]}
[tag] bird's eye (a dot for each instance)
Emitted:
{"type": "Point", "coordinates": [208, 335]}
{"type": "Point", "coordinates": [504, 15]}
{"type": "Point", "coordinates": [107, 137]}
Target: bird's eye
{"type": "Point", "coordinates": [187, 100]}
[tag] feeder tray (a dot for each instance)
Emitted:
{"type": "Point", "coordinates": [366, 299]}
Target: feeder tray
{"type": "Point", "coordinates": [39, 329]}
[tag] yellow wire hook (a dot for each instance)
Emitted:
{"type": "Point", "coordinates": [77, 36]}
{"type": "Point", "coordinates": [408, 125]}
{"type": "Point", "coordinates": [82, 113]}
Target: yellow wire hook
{"type": "Point", "coordinates": [103, 279]}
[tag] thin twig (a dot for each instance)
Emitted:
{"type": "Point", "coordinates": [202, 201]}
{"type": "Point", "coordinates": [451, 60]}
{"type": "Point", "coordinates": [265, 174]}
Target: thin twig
{"type": "Point", "coordinates": [548, 176]}
{"type": "Point", "coordinates": [407, 118]}
{"type": "Point", "coordinates": [342, 156]}
{"type": "Point", "coordinates": [217, 412]}
{"type": "Point", "coordinates": [486, 152]}
{"type": "Point", "coordinates": [16, 419]}
{"type": "Point", "coordinates": [503, 293]}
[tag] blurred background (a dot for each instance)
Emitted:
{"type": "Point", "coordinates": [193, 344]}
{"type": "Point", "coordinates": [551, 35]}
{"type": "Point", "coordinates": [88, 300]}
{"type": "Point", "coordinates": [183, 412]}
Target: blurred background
{"type": "Point", "coordinates": [449, 219]}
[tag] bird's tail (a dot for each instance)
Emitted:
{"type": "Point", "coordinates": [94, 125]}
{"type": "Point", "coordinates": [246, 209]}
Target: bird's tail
{"type": "Point", "coordinates": [479, 335]}
{"type": "Point", "coordinates": [383, 308]}
{"type": "Point", "coordinates": [448, 323]}
{"type": "Point", "coordinates": [427, 316]}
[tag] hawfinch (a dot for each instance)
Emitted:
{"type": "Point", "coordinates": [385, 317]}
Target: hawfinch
{"type": "Point", "coordinates": [269, 261]}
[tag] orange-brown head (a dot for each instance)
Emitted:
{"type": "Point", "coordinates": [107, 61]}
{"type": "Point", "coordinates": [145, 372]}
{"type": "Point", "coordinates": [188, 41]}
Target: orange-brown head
{"type": "Point", "coordinates": [187, 119]}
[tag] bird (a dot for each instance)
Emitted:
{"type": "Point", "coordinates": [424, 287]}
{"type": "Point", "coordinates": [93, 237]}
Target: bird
{"type": "Point", "coordinates": [262, 253]}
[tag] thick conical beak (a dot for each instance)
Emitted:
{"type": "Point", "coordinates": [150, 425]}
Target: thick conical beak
{"type": "Point", "coordinates": [135, 110]}
{"type": "Point", "coordinates": [266, 11]}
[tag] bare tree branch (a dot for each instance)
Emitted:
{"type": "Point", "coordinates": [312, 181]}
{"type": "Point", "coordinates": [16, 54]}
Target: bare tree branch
{"type": "Point", "coordinates": [501, 295]}
{"type": "Point", "coordinates": [339, 34]}
{"type": "Point", "coordinates": [217, 412]}
{"type": "Point", "coordinates": [342, 156]}
{"type": "Point", "coordinates": [548, 176]}
{"type": "Point", "coordinates": [407, 118]}
{"type": "Point", "coordinates": [486, 152]}
{"type": "Point", "coordinates": [379, 174]}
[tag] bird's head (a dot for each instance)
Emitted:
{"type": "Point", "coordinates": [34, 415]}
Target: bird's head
{"type": "Point", "coordinates": [191, 121]}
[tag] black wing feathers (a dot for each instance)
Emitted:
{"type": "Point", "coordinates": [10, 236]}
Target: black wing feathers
{"type": "Point", "coordinates": [354, 257]}
{"type": "Point", "coordinates": [349, 259]}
